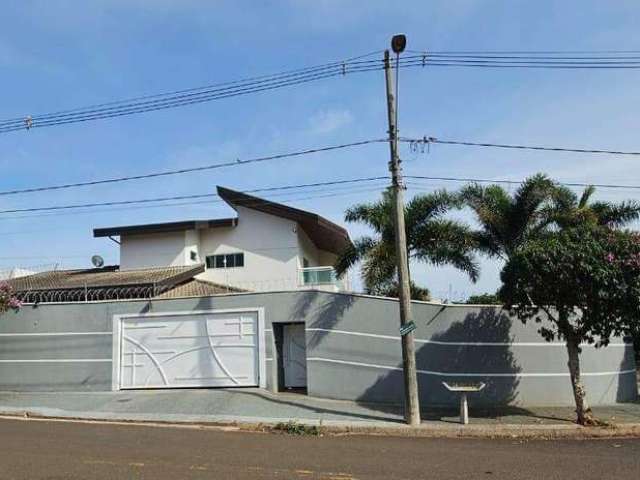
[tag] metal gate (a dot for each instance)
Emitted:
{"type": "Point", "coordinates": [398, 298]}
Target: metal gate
{"type": "Point", "coordinates": [205, 349]}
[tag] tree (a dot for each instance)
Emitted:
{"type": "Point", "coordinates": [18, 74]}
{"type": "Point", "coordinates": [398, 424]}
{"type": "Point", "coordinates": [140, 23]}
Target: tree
{"type": "Point", "coordinates": [586, 281]}
{"type": "Point", "coordinates": [391, 290]}
{"type": "Point", "coordinates": [430, 239]}
{"type": "Point", "coordinates": [508, 221]}
{"type": "Point", "coordinates": [483, 299]}
{"type": "Point", "coordinates": [568, 210]}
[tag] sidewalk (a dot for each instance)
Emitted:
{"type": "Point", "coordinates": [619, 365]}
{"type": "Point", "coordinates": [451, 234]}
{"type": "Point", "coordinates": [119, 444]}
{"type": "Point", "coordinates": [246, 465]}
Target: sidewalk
{"type": "Point", "coordinates": [259, 408]}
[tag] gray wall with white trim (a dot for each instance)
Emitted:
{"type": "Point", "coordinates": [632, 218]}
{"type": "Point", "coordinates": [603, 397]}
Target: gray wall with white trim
{"type": "Point", "coordinates": [353, 349]}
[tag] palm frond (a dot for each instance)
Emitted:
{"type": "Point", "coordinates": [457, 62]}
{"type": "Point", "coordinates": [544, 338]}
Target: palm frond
{"type": "Point", "coordinates": [353, 254]}
{"type": "Point", "coordinates": [616, 214]}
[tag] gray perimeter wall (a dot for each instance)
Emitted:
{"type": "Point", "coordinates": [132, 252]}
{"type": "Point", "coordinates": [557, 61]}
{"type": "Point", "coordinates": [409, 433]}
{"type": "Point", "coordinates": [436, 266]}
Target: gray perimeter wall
{"type": "Point", "coordinates": [353, 349]}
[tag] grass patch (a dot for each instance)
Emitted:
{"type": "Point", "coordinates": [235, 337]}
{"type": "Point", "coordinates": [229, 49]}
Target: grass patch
{"type": "Point", "coordinates": [292, 427]}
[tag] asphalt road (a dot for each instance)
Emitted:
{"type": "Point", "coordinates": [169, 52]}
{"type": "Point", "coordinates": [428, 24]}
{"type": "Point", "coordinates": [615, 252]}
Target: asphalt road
{"type": "Point", "coordinates": [58, 450]}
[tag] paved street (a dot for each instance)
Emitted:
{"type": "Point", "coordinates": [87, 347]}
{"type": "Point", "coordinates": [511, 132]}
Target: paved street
{"type": "Point", "coordinates": [58, 450]}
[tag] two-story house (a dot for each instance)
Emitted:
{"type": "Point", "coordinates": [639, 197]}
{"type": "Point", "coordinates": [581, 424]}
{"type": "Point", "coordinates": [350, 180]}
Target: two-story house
{"type": "Point", "coordinates": [267, 246]}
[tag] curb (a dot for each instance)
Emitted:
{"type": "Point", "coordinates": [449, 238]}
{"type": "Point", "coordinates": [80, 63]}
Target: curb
{"type": "Point", "coordinates": [329, 428]}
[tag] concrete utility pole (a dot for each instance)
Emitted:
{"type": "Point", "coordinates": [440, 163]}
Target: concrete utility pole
{"type": "Point", "coordinates": [412, 403]}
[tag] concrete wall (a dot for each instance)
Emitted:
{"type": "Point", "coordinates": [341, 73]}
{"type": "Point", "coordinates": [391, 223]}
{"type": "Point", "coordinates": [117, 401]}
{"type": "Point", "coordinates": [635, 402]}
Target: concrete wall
{"type": "Point", "coordinates": [353, 349]}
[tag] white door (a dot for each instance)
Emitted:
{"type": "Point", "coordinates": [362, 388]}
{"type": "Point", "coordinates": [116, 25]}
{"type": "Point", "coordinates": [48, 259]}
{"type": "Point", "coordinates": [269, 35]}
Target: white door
{"type": "Point", "coordinates": [194, 350]}
{"type": "Point", "coordinates": [294, 356]}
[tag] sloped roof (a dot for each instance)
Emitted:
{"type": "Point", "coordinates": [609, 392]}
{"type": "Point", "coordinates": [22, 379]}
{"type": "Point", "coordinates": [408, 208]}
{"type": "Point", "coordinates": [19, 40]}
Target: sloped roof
{"type": "Point", "coordinates": [106, 283]}
{"type": "Point", "coordinates": [325, 234]}
{"type": "Point", "coordinates": [197, 288]}
{"type": "Point", "coordinates": [165, 227]}
{"type": "Point", "coordinates": [110, 276]}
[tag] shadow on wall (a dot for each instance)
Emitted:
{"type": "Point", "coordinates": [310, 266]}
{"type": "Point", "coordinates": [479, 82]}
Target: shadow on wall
{"type": "Point", "coordinates": [628, 383]}
{"type": "Point", "coordinates": [325, 308]}
{"type": "Point", "coordinates": [453, 356]}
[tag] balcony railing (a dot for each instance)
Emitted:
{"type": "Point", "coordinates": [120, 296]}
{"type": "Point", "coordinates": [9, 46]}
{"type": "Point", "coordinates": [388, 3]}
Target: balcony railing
{"type": "Point", "coordinates": [320, 276]}
{"type": "Point", "coordinates": [317, 276]}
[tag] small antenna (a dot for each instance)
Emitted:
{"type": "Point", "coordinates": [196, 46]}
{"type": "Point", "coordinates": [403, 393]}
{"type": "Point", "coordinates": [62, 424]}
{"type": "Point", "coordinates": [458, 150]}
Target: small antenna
{"type": "Point", "coordinates": [97, 261]}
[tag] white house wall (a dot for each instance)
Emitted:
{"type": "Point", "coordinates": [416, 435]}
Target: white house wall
{"type": "Point", "coordinates": [273, 249]}
{"type": "Point", "coordinates": [192, 244]}
{"type": "Point", "coordinates": [152, 250]}
{"type": "Point", "coordinates": [270, 247]}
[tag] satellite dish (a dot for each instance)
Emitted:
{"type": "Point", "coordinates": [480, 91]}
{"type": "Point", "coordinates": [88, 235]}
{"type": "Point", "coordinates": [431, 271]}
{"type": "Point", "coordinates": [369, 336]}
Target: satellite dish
{"type": "Point", "coordinates": [97, 261]}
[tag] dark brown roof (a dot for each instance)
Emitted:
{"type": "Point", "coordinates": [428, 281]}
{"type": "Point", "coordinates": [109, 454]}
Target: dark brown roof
{"type": "Point", "coordinates": [106, 283]}
{"type": "Point", "coordinates": [165, 227]}
{"type": "Point", "coordinates": [197, 288]}
{"type": "Point", "coordinates": [110, 276]}
{"type": "Point", "coordinates": [325, 234]}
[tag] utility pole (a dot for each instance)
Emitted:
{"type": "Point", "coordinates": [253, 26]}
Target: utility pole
{"type": "Point", "coordinates": [411, 401]}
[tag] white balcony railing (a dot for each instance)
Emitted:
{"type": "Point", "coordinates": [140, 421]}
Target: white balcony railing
{"type": "Point", "coordinates": [320, 276]}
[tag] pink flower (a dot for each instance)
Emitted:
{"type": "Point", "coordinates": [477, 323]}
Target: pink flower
{"type": "Point", "coordinates": [610, 257]}
{"type": "Point", "coordinates": [14, 303]}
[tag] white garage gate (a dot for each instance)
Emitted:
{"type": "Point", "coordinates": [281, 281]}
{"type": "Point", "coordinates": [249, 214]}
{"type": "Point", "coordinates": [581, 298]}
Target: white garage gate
{"type": "Point", "coordinates": [218, 348]}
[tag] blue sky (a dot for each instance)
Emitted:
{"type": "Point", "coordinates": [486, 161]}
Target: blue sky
{"type": "Point", "coordinates": [61, 54]}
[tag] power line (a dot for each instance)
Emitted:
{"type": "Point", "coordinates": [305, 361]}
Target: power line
{"type": "Point", "coordinates": [214, 166]}
{"type": "Point", "coordinates": [325, 194]}
{"type": "Point", "coordinates": [519, 182]}
{"type": "Point", "coordinates": [179, 98]}
{"type": "Point", "coordinates": [94, 107]}
{"type": "Point", "coordinates": [185, 197]}
{"type": "Point", "coordinates": [429, 140]}
{"type": "Point", "coordinates": [189, 96]}
{"type": "Point", "coordinates": [285, 188]}
{"type": "Point", "coordinates": [526, 52]}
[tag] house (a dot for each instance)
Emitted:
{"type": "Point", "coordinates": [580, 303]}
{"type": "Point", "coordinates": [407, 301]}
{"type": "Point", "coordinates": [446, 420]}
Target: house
{"type": "Point", "coordinates": [267, 246]}
{"type": "Point", "coordinates": [251, 301]}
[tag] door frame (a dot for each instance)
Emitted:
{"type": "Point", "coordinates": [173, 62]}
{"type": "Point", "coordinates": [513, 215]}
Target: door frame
{"type": "Point", "coordinates": [278, 336]}
{"type": "Point", "coordinates": [118, 319]}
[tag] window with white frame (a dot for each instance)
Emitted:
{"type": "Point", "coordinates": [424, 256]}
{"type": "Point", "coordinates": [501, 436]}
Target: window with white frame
{"type": "Point", "coordinates": [225, 260]}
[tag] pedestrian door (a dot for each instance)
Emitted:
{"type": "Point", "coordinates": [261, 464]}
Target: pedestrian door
{"type": "Point", "coordinates": [294, 355]}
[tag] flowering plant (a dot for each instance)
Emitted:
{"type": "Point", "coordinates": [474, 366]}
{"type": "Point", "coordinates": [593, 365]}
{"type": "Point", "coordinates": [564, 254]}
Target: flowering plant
{"type": "Point", "coordinates": [7, 298]}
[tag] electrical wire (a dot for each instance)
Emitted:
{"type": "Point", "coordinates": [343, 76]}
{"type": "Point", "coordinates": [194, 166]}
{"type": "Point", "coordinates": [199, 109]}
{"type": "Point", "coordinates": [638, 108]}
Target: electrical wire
{"type": "Point", "coordinates": [432, 140]}
{"type": "Point", "coordinates": [324, 194]}
{"type": "Point", "coordinates": [180, 171]}
{"type": "Point", "coordinates": [179, 98]}
{"type": "Point", "coordinates": [518, 182]}
{"type": "Point", "coordinates": [185, 197]}
{"type": "Point", "coordinates": [188, 96]}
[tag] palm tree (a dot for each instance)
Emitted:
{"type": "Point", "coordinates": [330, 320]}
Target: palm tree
{"type": "Point", "coordinates": [508, 221]}
{"type": "Point", "coordinates": [430, 239]}
{"type": "Point", "coordinates": [569, 209]}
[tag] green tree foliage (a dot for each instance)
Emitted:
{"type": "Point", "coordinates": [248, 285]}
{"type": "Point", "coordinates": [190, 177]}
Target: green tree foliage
{"type": "Point", "coordinates": [431, 239]}
{"type": "Point", "coordinates": [483, 299]}
{"type": "Point", "coordinates": [581, 284]}
{"type": "Point", "coordinates": [507, 220]}
{"type": "Point", "coordinates": [569, 210]}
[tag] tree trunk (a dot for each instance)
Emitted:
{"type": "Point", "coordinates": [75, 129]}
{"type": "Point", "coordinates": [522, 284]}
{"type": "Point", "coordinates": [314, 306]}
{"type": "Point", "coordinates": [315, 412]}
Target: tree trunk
{"type": "Point", "coordinates": [585, 416]}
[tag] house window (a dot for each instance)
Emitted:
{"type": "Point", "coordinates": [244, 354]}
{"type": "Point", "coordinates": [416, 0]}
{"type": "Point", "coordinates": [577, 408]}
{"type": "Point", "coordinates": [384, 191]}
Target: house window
{"type": "Point", "coordinates": [193, 255]}
{"type": "Point", "coordinates": [227, 260]}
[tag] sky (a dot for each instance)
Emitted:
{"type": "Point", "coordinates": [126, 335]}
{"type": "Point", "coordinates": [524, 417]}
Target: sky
{"type": "Point", "coordinates": [60, 54]}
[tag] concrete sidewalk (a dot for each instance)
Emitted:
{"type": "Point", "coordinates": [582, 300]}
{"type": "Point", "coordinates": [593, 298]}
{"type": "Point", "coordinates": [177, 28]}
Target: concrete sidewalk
{"type": "Point", "coordinates": [253, 406]}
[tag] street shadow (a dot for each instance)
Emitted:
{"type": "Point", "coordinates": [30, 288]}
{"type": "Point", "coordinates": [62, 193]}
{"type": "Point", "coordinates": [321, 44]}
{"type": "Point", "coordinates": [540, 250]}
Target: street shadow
{"type": "Point", "coordinates": [325, 309]}
{"type": "Point", "coordinates": [456, 350]}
